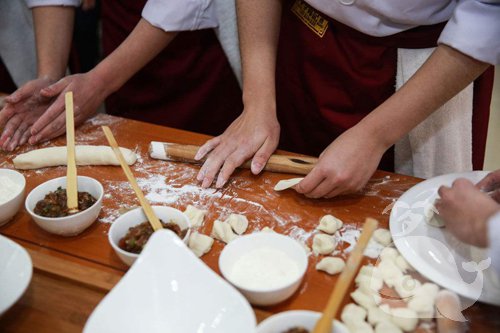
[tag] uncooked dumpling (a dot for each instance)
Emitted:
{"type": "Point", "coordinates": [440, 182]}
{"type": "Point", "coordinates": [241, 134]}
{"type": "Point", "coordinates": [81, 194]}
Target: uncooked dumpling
{"type": "Point", "coordinates": [223, 231]}
{"type": "Point", "coordinates": [200, 244]}
{"type": "Point", "coordinates": [323, 244]}
{"type": "Point", "coordinates": [331, 265]}
{"type": "Point", "coordinates": [390, 272]}
{"type": "Point", "coordinates": [366, 300]}
{"type": "Point", "coordinates": [382, 236]}
{"type": "Point", "coordinates": [85, 155]}
{"type": "Point", "coordinates": [405, 318]}
{"type": "Point", "coordinates": [387, 327]}
{"type": "Point", "coordinates": [389, 253]}
{"type": "Point", "coordinates": [353, 312]}
{"type": "Point", "coordinates": [431, 218]}
{"type": "Point", "coordinates": [238, 222]}
{"type": "Point", "coordinates": [369, 279]}
{"type": "Point", "coordinates": [406, 287]}
{"type": "Point", "coordinates": [286, 183]}
{"type": "Point", "coordinates": [329, 224]}
{"type": "Point", "coordinates": [195, 215]}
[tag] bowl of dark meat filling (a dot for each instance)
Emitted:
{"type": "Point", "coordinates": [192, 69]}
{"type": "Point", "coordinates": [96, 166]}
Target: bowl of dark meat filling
{"type": "Point", "coordinates": [47, 205]}
{"type": "Point", "coordinates": [131, 231]}
{"type": "Point", "coordinates": [296, 321]}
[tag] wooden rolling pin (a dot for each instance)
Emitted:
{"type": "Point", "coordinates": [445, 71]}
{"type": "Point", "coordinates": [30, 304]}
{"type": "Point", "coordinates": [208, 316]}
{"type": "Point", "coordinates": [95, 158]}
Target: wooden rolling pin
{"type": "Point", "coordinates": [277, 163]}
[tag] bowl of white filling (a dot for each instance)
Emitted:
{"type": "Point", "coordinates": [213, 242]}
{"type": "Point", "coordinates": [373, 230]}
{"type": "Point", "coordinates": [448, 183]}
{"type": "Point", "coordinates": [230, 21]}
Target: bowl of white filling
{"type": "Point", "coordinates": [267, 268]}
{"type": "Point", "coordinates": [12, 185]}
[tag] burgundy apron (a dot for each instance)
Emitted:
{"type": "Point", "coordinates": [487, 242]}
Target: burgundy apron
{"type": "Point", "coordinates": [326, 85]}
{"type": "Point", "coordinates": [189, 85]}
{"type": "Point", "coordinates": [6, 84]}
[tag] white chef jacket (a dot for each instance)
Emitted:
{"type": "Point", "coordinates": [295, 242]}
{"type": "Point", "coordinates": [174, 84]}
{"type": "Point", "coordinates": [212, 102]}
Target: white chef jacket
{"type": "Point", "coordinates": [39, 3]}
{"type": "Point", "coordinates": [494, 239]}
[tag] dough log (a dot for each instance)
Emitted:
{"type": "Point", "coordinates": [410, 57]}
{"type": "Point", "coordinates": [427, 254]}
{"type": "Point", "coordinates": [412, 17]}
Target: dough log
{"type": "Point", "coordinates": [85, 155]}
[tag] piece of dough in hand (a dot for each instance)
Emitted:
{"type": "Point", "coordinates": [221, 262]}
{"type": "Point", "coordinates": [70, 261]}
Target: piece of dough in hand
{"type": "Point", "coordinates": [287, 183]}
{"type": "Point", "coordinates": [431, 218]}
{"type": "Point", "coordinates": [85, 155]}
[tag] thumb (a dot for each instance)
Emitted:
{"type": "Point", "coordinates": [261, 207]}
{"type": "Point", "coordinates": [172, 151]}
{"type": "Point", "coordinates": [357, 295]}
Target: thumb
{"type": "Point", "coordinates": [54, 89]}
{"type": "Point", "coordinates": [20, 94]}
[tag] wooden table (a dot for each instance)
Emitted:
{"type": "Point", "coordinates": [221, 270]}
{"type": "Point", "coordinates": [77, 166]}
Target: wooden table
{"type": "Point", "coordinates": [71, 275]}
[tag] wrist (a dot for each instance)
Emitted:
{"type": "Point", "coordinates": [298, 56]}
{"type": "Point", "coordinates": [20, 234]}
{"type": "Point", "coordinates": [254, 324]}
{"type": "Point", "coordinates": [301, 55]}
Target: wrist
{"type": "Point", "coordinates": [104, 79]}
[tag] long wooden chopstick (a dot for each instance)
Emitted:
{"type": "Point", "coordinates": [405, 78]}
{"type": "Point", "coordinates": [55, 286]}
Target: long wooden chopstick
{"type": "Point", "coordinates": [152, 218]}
{"type": "Point", "coordinates": [71, 176]}
{"type": "Point", "coordinates": [324, 324]}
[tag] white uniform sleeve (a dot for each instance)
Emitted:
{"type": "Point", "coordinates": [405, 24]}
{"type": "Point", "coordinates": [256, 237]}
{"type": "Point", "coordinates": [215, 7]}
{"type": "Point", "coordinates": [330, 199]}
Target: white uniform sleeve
{"type": "Point", "coordinates": [494, 238]}
{"type": "Point", "coordinates": [39, 3]}
{"type": "Point", "coordinates": [175, 15]}
{"type": "Point", "coordinates": [474, 29]}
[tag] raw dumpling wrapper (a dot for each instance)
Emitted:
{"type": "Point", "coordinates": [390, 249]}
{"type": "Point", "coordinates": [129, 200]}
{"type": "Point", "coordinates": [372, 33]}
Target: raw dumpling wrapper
{"type": "Point", "coordinates": [238, 222]}
{"type": "Point", "coordinates": [223, 231]}
{"type": "Point", "coordinates": [286, 183]}
{"type": "Point", "coordinates": [200, 244]}
{"type": "Point", "coordinates": [195, 215]}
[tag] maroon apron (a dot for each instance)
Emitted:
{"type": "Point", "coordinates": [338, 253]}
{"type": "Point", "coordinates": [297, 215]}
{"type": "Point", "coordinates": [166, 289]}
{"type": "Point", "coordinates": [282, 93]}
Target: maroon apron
{"type": "Point", "coordinates": [6, 84]}
{"type": "Point", "coordinates": [325, 85]}
{"type": "Point", "coordinates": [189, 85]}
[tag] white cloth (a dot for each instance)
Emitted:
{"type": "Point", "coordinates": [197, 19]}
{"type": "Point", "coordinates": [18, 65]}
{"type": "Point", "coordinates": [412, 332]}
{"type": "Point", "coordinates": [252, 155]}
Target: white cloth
{"type": "Point", "coordinates": [494, 240]}
{"type": "Point", "coordinates": [473, 27]}
{"type": "Point", "coordinates": [39, 3]}
{"type": "Point", "coordinates": [187, 15]}
{"type": "Point", "coordinates": [442, 143]}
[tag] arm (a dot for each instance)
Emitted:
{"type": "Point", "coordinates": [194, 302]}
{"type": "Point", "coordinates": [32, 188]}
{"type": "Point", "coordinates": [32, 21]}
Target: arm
{"type": "Point", "coordinates": [53, 32]}
{"type": "Point", "coordinates": [90, 89]}
{"type": "Point", "coordinates": [348, 163]}
{"type": "Point", "coordinates": [256, 131]}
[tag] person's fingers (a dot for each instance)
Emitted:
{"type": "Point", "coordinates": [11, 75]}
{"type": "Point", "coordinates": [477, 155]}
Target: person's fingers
{"type": "Point", "coordinates": [14, 142]}
{"type": "Point", "coordinates": [309, 183]}
{"type": "Point", "coordinates": [443, 192]}
{"type": "Point", "coordinates": [20, 94]}
{"type": "Point", "coordinates": [323, 188]}
{"type": "Point", "coordinates": [6, 113]}
{"type": "Point", "coordinates": [206, 148]}
{"type": "Point", "coordinates": [6, 143]}
{"type": "Point", "coordinates": [262, 155]}
{"type": "Point", "coordinates": [496, 195]}
{"type": "Point", "coordinates": [9, 130]}
{"type": "Point", "coordinates": [490, 182]}
{"type": "Point", "coordinates": [211, 166]}
{"type": "Point", "coordinates": [55, 88]}
{"type": "Point", "coordinates": [234, 160]}
{"type": "Point", "coordinates": [48, 119]}
{"type": "Point", "coordinates": [335, 192]}
{"type": "Point", "coordinates": [24, 138]}
{"type": "Point", "coordinates": [52, 130]}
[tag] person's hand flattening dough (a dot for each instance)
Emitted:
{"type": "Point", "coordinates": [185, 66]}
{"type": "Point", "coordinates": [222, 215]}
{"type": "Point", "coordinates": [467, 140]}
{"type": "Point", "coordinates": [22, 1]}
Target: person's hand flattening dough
{"type": "Point", "coordinates": [466, 210]}
{"type": "Point", "coordinates": [253, 133]}
{"type": "Point", "coordinates": [87, 96]}
{"type": "Point", "coordinates": [345, 166]}
{"type": "Point", "coordinates": [23, 107]}
{"type": "Point", "coordinates": [491, 183]}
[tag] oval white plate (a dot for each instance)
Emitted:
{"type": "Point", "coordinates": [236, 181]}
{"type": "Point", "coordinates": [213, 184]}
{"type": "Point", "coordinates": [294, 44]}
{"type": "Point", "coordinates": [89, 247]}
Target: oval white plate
{"type": "Point", "coordinates": [16, 270]}
{"type": "Point", "coordinates": [168, 289]}
{"type": "Point", "coordinates": [434, 252]}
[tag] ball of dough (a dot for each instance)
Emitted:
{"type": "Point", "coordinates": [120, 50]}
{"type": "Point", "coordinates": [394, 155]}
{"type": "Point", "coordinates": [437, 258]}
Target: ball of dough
{"type": "Point", "coordinates": [431, 218]}
{"type": "Point", "coordinates": [403, 264]}
{"type": "Point", "coordinates": [405, 318]}
{"type": "Point", "coordinates": [200, 244]}
{"type": "Point", "coordinates": [382, 236]}
{"type": "Point", "coordinates": [331, 265]}
{"type": "Point", "coordinates": [379, 314]}
{"type": "Point", "coordinates": [389, 253]}
{"type": "Point", "coordinates": [323, 244]}
{"type": "Point", "coordinates": [387, 327]}
{"type": "Point", "coordinates": [329, 224]}
{"type": "Point", "coordinates": [353, 312]}
{"type": "Point", "coordinates": [366, 300]}
{"type": "Point", "coordinates": [267, 229]}
{"type": "Point", "coordinates": [195, 215]}
{"type": "Point", "coordinates": [223, 232]}
{"type": "Point", "coordinates": [390, 272]}
{"type": "Point", "coordinates": [238, 222]}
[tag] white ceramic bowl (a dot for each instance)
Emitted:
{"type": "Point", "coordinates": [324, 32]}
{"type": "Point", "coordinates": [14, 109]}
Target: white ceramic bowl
{"type": "Point", "coordinates": [242, 245]}
{"type": "Point", "coordinates": [169, 289]}
{"type": "Point", "coordinates": [16, 270]}
{"type": "Point", "coordinates": [70, 225]}
{"type": "Point", "coordinates": [10, 208]}
{"type": "Point", "coordinates": [122, 224]}
{"type": "Point", "coordinates": [284, 321]}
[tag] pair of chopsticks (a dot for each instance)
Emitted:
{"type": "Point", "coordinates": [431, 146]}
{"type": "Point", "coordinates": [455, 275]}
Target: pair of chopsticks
{"type": "Point", "coordinates": [72, 187]}
{"type": "Point", "coordinates": [324, 324]}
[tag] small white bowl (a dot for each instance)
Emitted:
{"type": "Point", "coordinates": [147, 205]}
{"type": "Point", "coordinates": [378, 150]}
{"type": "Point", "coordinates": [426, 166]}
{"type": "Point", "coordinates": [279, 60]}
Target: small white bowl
{"type": "Point", "coordinates": [284, 321]}
{"type": "Point", "coordinates": [70, 225]}
{"type": "Point", "coordinates": [10, 208]}
{"type": "Point", "coordinates": [242, 245]}
{"type": "Point", "coordinates": [122, 224]}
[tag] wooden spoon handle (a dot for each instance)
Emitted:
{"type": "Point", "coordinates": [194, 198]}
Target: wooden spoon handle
{"type": "Point", "coordinates": [300, 165]}
{"type": "Point", "coordinates": [71, 176]}
{"type": "Point", "coordinates": [324, 324]}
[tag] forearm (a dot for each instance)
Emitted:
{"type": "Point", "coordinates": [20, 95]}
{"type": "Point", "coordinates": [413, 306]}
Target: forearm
{"type": "Point", "coordinates": [140, 47]}
{"type": "Point", "coordinates": [444, 74]}
{"type": "Point", "coordinates": [258, 27]}
{"type": "Point", "coordinates": [53, 34]}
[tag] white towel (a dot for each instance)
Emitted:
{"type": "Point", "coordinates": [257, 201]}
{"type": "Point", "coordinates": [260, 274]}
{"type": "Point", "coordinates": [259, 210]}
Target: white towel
{"type": "Point", "coordinates": [442, 143]}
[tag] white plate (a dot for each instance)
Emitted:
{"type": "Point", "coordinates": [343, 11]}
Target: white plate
{"type": "Point", "coordinates": [434, 252]}
{"type": "Point", "coordinates": [168, 289]}
{"type": "Point", "coordinates": [15, 272]}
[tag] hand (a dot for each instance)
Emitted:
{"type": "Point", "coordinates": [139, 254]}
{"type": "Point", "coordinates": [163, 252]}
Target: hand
{"type": "Point", "coordinates": [87, 96]}
{"type": "Point", "coordinates": [466, 211]}
{"type": "Point", "coordinates": [344, 166]}
{"type": "Point", "coordinates": [22, 109]}
{"type": "Point", "coordinates": [491, 183]}
{"type": "Point", "coordinates": [251, 134]}
{"type": "Point", "coordinates": [88, 5]}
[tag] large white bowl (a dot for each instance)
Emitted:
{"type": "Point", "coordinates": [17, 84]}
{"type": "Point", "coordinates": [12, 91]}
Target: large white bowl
{"type": "Point", "coordinates": [284, 321]}
{"type": "Point", "coordinates": [242, 245]}
{"type": "Point", "coordinates": [15, 272]}
{"type": "Point", "coordinates": [169, 289]}
{"type": "Point", "coordinates": [10, 208]}
{"type": "Point", "coordinates": [122, 224]}
{"type": "Point", "coordinates": [70, 225]}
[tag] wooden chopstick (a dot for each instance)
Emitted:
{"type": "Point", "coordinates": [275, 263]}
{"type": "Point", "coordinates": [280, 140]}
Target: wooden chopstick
{"type": "Point", "coordinates": [155, 222]}
{"type": "Point", "coordinates": [324, 324]}
{"type": "Point", "coordinates": [71, 176]}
